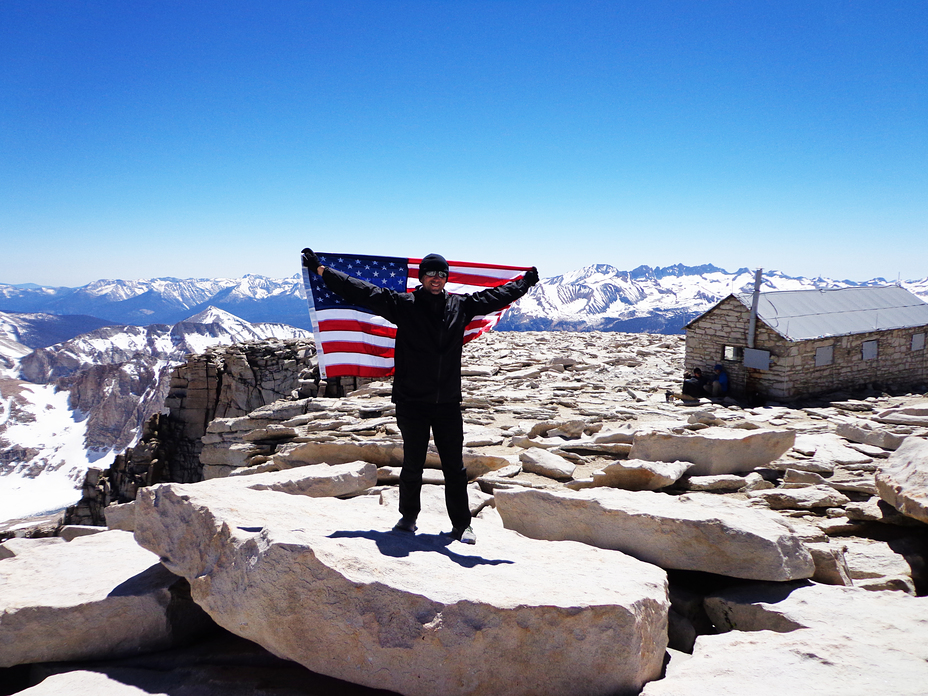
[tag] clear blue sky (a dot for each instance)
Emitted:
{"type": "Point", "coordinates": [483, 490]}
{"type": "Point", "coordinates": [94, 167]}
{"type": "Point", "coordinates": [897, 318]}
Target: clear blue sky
{"type": "Point", "coordinates": [212, 139]}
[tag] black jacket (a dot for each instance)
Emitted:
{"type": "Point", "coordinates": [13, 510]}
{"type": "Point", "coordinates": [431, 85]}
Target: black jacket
{"type": "Point", "coordinates": [429, 331]}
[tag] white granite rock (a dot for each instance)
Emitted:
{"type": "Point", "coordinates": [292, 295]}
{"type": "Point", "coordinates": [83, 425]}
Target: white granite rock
{"type": "Point", "coordinates": [902, 481]}
{"type": "Point", "coordinates": [721, 482]}
{"type": "Point", "coordinates": [806, 640]}
{"type": "Point", "coordinates": [893, 625]}
{"type": "Point", "coordinates": [697, 531]}
{"type": "Point", "coordinates": [15, 546]}
{"type": "Point", "coordinates": [874, 565]}
{"type": "Point", "coordinates": [616, 434]}
{"type": "Point", "coordinates": [919, 409]}
{"type": "Point", "coordinates": [325, 583]}
{"type": "Point", "coordinates": [378, 452]}
{"type": "Point", "coordinates": [806, 478]}
{"type": "Point", "coordinates": [613, 383]}
{"type": "Point", "coordinates": [120, 516]}
{"type": "Point", "coordinates": [879, 617]}
{"type": "Point", "coordinates": [98, 596]}
{"type": "Point", "coordinates": [544, 463]}
{"type": "Point", "coordinates": [914, 415]}
{"type": "Point", "coordinates": [539, 442]}
{"type": "Point", "coordinates": [481, 436]}
{"type": "Point", "coordinates": [756, 482]}
{"type": "Point", "coordinates": [714, 450]}
{"type": "Point", "coordinates": [830, 564]}
{"type": "Point", "coordinates": [69, 532]}
{"type": "Point", "coordinates": [829, 447]}
{"type": "Point", "coordinates": [634, 475]}
{"type": "Point", "coordinates": [589, 446]}
{"type": "Point", "coordinates": [80, 682]}
{"type": "Point", "coordinates": [314, 480]}
{"type": "Point", "coordinates": [799, 663]}
{"type": "Point", "coordinates": [805, 498]}
{"type": "Point", "coordinates": [389, 475]}
{"type": "Point", "coordinates": [863, 432]}
{"type": "Point", "coordinates": [219, 460]}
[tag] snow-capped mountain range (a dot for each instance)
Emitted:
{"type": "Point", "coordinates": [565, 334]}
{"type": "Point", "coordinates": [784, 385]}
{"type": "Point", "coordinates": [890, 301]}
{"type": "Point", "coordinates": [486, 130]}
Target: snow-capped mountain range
{"type": "Point", "coordinates": [599, 297]}
{"type": "Point", "coordinates": [166, 300]}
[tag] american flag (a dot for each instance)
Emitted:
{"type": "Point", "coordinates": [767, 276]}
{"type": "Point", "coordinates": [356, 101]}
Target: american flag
{"type": "Point", "coordinates": [352, 341]}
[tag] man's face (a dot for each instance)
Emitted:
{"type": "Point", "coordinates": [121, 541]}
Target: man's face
{"type": "Point", "coordinates": [434, 283]}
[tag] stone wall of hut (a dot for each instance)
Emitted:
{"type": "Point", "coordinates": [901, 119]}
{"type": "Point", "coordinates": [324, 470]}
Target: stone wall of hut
{"type": "Point", "coordinates": [895, 359]}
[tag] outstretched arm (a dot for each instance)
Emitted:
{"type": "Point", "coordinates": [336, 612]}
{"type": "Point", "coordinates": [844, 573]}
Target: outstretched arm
{"type": "Point", "coordinates": [493, 299]}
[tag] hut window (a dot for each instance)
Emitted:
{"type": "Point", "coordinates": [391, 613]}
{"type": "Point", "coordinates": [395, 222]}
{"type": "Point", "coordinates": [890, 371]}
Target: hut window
{"type": "Point", "coordinates": [824, 356]}
{"type": "Point", "coordinates": [869, 350]}
{"type": "Point", "coordinates": [918, 341]}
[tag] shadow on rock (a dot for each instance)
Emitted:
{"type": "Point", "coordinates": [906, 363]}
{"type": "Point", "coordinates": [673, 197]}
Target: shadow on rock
{"type": "Point", "coordinates": [401, 544]}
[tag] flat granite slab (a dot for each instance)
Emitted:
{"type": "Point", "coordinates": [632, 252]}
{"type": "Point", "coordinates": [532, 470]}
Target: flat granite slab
{"type": "Point", "coordinates": [326, 583]}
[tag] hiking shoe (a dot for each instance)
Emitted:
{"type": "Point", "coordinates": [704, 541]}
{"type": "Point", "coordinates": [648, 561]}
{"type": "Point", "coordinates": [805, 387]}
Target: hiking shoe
{"type": "Point", "coordinates": [465, 536]}
{"type": "Point", "coordinates": [406, 524]}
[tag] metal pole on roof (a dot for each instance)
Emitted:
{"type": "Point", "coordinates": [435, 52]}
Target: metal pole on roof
{"type": "Point", "coordinates": [758, 278]}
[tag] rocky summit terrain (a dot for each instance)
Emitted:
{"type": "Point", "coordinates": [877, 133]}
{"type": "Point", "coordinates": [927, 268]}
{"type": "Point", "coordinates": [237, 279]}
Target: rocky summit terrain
{"type": "Point", "coordinates": [628, 542]}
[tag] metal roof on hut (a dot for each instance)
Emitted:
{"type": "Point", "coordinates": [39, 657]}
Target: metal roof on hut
{"type": "Point", "coordinates": [799, 315]}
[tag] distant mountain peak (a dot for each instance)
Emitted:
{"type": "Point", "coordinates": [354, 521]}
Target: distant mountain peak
{"type": "Point", "coordinates": [677, 270]}
{"type": "Point", "coordinates": [214, 315]}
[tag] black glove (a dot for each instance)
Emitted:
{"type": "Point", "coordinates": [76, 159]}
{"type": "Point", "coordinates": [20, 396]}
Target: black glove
{"type": "Point", "coordinates": [531, 276]}
{"type": "Point", "coordinates": [310, 260]}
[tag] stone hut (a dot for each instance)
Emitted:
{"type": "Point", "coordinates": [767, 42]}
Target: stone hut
{"type": "Point", "coordinates": [805, 342]}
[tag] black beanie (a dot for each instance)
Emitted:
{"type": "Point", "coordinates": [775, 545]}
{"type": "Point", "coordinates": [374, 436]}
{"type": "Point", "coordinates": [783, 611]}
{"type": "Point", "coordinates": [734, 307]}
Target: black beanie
{"type": "Point", "coordinates": [433, 262]}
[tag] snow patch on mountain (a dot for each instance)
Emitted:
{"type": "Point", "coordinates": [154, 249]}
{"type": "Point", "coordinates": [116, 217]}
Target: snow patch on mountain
{"type": "Point", "coordinates": [11, 352]}
{"type": "Point", "coordinates": [36, 419]}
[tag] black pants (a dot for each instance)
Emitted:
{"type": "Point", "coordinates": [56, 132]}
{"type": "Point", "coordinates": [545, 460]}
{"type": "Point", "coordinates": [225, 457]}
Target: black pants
{"type": "Point", "coordinates": [415, 420]}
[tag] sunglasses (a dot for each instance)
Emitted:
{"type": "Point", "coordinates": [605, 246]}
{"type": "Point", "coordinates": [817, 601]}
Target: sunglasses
{"type": "Point", "coordinates": [432, 274]}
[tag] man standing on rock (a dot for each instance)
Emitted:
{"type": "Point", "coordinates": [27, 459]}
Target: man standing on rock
{"type": "Point", "coordinates": [430, 326]}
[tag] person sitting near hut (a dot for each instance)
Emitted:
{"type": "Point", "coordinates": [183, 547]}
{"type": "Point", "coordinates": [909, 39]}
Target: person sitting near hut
{"type": "Point", "coordinates": [693, 383]}
{"type": "Point", "coordinates": [719, 385]}
{"type": "Point", "coordinates": [692, 388]}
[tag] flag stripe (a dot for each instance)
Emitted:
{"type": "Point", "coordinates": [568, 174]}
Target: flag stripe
{"type": "Point", "coordinates": [482, 323]}
{"type": "Point", "coordinates": [358, 364]}
{"type": "Point", "coordinates": [477, 280]}
{"type": "Point", "coordinates": [352, 336]}
{"type": "Point", "coordinates": [353, 370]}
{"type": "Point", "coordinates": [336, 325]}
{"type": "Point", "coordinates": [334, 348]}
